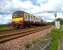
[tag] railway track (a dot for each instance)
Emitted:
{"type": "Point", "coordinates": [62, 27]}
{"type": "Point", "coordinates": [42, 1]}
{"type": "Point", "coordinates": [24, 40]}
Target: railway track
{"type": "Point", "coordinates": [14, 35]}
{"type": "Point", "coordinates": [15, 31]}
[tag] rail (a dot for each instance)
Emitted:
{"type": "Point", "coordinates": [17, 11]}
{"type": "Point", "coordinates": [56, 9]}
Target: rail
{"type": "Point", "coordinates": [7, 37]}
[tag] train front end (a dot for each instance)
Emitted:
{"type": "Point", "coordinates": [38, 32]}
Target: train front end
{"type": "Point", "coordinates": [17, 21]}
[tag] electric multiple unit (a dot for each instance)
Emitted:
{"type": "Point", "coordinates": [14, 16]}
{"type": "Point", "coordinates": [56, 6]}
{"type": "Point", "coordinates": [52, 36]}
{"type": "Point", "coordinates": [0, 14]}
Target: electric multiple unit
{"type": "Point", "coordinates": [21, 19]}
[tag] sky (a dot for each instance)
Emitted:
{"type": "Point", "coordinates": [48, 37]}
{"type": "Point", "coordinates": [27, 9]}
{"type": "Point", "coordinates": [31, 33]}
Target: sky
{"type": "Point", "coordinates": [7, 7]}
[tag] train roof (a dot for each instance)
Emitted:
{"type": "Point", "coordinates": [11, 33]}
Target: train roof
{"type": "Point", "coordinates": [20, 13]}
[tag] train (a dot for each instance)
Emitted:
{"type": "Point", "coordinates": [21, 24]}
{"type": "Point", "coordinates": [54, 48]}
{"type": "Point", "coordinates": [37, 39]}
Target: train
{"type": "Point", "coordinates": [21, 19]}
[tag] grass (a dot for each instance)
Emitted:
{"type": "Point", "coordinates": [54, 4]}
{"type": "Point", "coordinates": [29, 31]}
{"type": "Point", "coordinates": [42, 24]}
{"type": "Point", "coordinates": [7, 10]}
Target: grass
{"type": "Point", "coordinates": [9, 27]}
{"type": "Point", "coordinates": [28, 45]}
{"type": "Point", "coordinates": [5, 27]}
{"type": "Point", "coordinates": [55, 35]}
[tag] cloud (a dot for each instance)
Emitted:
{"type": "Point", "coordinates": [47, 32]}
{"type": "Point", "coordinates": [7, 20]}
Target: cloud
{"type": "Point", "coordinates": [5, 6]}
{"type": "Point", "coordinates": [20, 5]}
{"type": "Point", "coordinates": [51, 5]}
{"type": "Point", "coordinates": [4, 19]}
{"type": "Point", "coordinates": [30, 6]}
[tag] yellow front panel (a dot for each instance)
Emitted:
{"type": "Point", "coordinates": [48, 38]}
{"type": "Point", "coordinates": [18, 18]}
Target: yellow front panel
{"type": "Point", "coordinates": [17, 19]}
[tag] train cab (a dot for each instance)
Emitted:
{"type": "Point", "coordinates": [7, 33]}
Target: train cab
{"type": "Point", "coordinates": [17, 20]}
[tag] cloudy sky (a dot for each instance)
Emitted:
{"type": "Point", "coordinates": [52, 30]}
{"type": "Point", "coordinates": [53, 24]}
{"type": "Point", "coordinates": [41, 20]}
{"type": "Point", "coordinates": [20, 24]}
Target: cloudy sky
{"type": "Point", "coordinates": [7, 7]}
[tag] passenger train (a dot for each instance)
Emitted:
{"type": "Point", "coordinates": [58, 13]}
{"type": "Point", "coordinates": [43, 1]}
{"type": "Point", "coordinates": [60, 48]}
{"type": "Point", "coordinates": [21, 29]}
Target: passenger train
{"type": "Point", "coordinates": [21, 19]}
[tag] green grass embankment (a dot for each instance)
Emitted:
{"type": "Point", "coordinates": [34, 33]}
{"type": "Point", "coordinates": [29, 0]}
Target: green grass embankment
{"type": "Point", "coordinates": [55, 35]}
{"type": "Point", "coordinates": [5, 27]}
